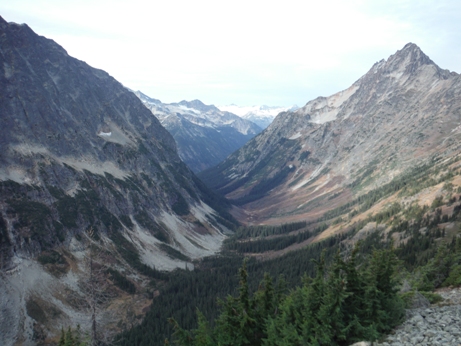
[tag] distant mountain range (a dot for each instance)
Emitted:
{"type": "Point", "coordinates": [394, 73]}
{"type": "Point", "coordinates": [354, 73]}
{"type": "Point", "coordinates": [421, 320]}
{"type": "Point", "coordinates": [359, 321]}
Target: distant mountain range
{"type": "Point", "coordinates": [260, 115]}
{"type": "Point", "coordinates": [204, 135]}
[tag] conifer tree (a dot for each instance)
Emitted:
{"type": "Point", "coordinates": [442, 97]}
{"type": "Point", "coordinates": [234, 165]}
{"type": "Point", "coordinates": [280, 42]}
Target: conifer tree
{"type": "Point", "coordinates": [333, 326]}
{"type": "Point", "coordinates": [236, 324]}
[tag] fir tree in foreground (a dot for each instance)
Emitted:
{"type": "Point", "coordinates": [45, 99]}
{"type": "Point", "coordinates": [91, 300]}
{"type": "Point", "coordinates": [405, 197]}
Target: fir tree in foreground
{"type": "Point", "coordinates": [342, 304]}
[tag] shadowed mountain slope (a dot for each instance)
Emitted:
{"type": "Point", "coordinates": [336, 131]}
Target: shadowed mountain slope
{"type": "Point", "coordinates": [81, 152]}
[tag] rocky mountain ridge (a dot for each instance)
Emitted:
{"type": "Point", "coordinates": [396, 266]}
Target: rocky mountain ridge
{"type": "Point", "coordinates": [204, 134]}
{"type": "Point", "coordinates": [405, 111]}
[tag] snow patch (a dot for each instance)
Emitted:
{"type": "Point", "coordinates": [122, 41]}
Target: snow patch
{"type": "Point", "coordinates": [193, 110]}
{"type": "Point", "coordinates": [105, 134]}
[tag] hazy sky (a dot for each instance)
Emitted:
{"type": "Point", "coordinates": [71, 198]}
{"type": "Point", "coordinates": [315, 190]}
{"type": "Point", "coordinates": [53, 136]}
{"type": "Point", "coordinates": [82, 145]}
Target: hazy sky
{"type": "Point", "coordinates": [243, 52]}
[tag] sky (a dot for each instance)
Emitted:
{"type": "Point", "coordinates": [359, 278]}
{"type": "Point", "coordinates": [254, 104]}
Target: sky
{"type": "Point", "coordinates": [276, 53]}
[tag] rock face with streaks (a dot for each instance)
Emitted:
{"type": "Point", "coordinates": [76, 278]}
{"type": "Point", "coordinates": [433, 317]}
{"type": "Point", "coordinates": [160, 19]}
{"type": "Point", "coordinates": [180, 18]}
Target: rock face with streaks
{"type": "Point", "coordinates": [80, 152]}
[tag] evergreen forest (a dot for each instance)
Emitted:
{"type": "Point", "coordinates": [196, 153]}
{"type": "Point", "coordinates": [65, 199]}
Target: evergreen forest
{"type": "Point", "coordinates": [315, 291]}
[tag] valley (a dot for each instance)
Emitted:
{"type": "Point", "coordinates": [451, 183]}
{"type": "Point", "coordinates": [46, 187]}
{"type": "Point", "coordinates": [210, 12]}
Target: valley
{"type": "Point", "coordinates": [119, 212]}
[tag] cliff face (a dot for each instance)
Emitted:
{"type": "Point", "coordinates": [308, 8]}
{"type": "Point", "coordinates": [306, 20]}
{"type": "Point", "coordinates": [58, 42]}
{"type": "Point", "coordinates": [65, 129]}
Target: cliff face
{"type": "Point", "coordinates": [80, 152]}
{"type": "Point", "coordinates": [403, 112]}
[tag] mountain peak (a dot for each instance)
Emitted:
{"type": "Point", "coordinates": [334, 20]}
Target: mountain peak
{"type": "Point", "coordinates": [413, 53]}
{"type": "Point", "coordinates": [407, 60]}
{"type": "Point", "coordinates": [410, 46]}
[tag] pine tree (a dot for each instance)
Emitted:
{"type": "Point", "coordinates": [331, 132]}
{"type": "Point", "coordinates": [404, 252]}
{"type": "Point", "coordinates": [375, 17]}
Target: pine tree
{"type": "Point", "coordinates": [236, 325]}
{"type": "Point", "coordinates": [384, 304]}
{"type": "Point", "coordinates": [333, 328]}
{"type": "Point", "coordinates": [69, 338]}
{"type": "Point", "coordinates": [357, 315]}
{"type": "Point", "coordinates": [62, 340]}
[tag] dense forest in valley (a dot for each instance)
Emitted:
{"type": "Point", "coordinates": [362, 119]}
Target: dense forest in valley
{"type": "Point", "coordinates": [213, 289]}
{"type": "Point", "coordinates": [203, 303]}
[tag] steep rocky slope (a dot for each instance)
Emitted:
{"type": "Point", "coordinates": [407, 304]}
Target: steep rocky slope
{"type": "Point", "coordinates": [430, 325]}
{"type": "Point", "coordinates": [204, 135]}
{"type": "Point", "coordinates": [404, 112]}
{"type": "Point", "coordinates": [80, 152]}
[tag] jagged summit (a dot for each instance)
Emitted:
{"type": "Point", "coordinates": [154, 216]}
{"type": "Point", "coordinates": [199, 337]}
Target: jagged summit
{"type": "Point", "coordinates": [405, 61]}
{"type": "Point", "coordinates": [410, 56]}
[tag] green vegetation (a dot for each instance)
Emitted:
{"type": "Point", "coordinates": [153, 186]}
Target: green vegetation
{"type": "Point", "coordinates": [130, 254]}
{"type": "Point", "coordinates": [173, 253]}
{"type": "Point", "coordinates": [407, 184]}
{"type": "Point", "coordinates": [263, 245]}
{"type": "Point", "coordinates": [145, 221]}
{"type": "Point", "coordinates": [425, 258]}
{"type": "Point", "coordinates": [126, 221]}
{"type": "Point", "coordinates": [304, 155]}
{"type": "Point", "coordinates": [441, 270]}
{"type": "Point", "coordinates": [34, 216]}
{"type": "Point", "coordinates": [51, 257]}
{"type": "Point", "coordinates": [259, 239]}
{"type": "Point", "coordinates": [213, 278]}
{"type": "Point", "coordinates": [74, 337]}
{"type": "Point", "coordinates": [341, 305]}
{"type": "Point", "coordinates": [121, 281]}
{"type": "Point", "coordinates": [4, 238]}
{"type": "Point", "coordinates": [35, 311]}
{"type": "Point", "coordinates": [408, 297]}
{"type": "Point", "coordinates": [180, 207]}
{"type": "Point", "coordinates": [265, 231]}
